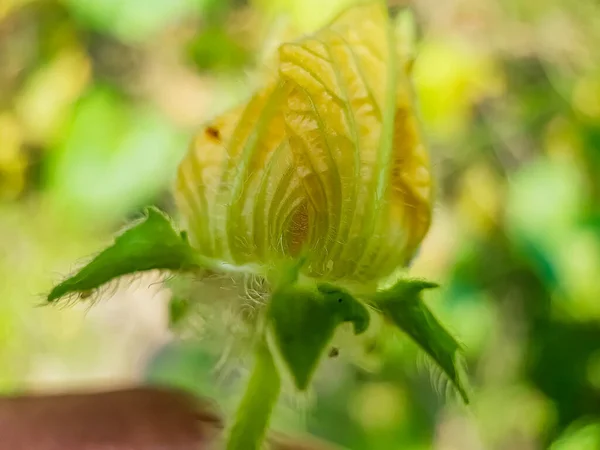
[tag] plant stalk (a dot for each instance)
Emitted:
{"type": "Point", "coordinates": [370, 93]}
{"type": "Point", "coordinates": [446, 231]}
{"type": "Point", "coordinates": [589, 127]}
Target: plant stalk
{"type": "Point", "coordinates": [254, 411]}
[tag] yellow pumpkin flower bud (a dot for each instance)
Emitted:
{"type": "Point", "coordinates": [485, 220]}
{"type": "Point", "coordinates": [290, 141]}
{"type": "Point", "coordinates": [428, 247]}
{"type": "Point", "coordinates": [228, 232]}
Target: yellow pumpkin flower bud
{"type": "Point", "coordinates": [327, 162]}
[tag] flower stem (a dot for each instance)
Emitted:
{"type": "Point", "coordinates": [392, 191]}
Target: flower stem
{"type": "Point", "coordinates": [254, 411]}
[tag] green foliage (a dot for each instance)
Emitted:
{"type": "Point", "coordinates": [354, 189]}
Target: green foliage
{"type": "Point", "coordinates": [151, 244]}
{"type": "Point", "coordinates": [115, 157]}
{"type": "Point", "coordinates": [214, 49]}
{"type": "Point", "coordinates": [134, 20]}
{"type": "Point", "coordinates": [403, 306]}
{"type": "Point", "coordinates": [304, 319]}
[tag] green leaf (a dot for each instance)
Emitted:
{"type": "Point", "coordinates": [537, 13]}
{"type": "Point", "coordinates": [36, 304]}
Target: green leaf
{"type": "Point", "coordinates": [403, 306]}
{"type": "Point", "coordinates": [151, 244]}
{"type": "Point", "coordinates": [304, 319]}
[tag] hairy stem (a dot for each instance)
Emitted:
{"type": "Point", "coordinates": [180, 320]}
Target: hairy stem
{"type": "Point", "coordinates": [254, 411]}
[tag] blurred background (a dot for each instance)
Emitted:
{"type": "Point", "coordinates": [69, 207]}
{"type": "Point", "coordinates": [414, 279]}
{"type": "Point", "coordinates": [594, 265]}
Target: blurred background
{"type": "Point", "coordinates": [99, 100]}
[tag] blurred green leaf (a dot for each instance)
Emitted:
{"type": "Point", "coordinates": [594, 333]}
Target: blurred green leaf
{"type": "Point", "coordinates": [214, 49]}
{"type": "Point", "coordinates": [403, 306]}
{"type": "Point", "coordinates": [151, 244]}
{"type": "Point", "coordinates": [186, 365]}
{"type": "Point", "coordinates": [304, 320]}
{"type": "Point", "coordinates": [114, 158]}
{"type": "Point", "coordinates": [135, 20]}
{"type": "Point", "coordinates": [579, 436]}
{"type": "Point", "coordinates": [530, 214]}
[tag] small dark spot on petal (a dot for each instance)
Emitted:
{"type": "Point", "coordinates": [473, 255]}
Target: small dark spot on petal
{"type": "Point", "coordinates": [213, 133]}
{"type": "Point", "coordinates": [333, 352]}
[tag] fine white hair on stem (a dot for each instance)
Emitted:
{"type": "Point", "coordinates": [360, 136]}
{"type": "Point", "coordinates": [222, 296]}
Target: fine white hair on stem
{"type": "Point", "coordinates": [301, 403]}
{"type": "Point", "coordinates": [255, 289]}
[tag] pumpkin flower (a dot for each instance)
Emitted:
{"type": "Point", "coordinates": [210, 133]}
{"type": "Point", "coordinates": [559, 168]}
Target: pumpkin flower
{"type": "Point", "coordinates": [327, 161]}
{"type": "Point", "coordinates": [319, 184]}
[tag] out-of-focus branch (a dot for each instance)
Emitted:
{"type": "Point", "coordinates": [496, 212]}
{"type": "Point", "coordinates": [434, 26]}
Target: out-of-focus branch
{"type": "Point", "coordinates": [141, 418]}
{"type": "Point", "coordinates": [132, 419]}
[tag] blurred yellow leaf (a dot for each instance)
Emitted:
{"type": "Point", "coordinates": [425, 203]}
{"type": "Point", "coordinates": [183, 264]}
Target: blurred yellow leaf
{"type": "Point", "coordinates": [50, 94]}
{"type": "Point", "coordinates": [12, 159]}
{"type": "Point", "coordinates": [379, 406]}
{"type": "Point", "coordinates": [586, 96]}
{"type": "Point", "coordinates": [481, 199]}
{"type": "Point", "coordinates": [8, 6]}
{"type": "Point", "coordinates": [450, 77]}
{"type": "Point", "coordinates": [562, 140]}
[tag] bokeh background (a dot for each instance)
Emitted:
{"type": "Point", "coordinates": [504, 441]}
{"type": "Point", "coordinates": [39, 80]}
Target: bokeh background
{"type": "Point", "coordinates": [99, 99]}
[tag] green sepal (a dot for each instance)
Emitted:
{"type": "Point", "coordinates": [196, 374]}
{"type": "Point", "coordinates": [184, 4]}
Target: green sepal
{"type": "Point", "coordinates": [402, 305]}
{"type": "Point", "coordinates": [304, 318]}
{"type": "Point", "coordinates": [179, 309]}
{"type": "Point", "coordinates": [150, 244]}
{"type": "Point", "coordinates": [345, 307]}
